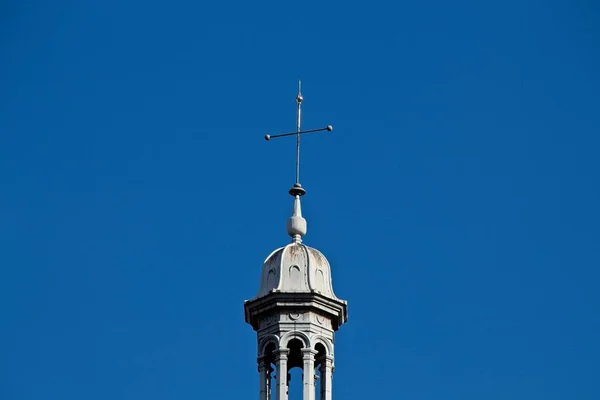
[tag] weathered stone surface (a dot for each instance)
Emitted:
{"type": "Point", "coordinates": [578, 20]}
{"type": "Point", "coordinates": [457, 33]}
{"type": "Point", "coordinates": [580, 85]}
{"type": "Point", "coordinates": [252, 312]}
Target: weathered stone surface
{"type": "Point", "coordinates": [296, 268]}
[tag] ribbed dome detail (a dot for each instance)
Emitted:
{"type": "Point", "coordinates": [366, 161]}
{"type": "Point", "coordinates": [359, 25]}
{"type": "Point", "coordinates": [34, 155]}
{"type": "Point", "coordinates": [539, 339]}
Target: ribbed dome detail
{"type": "Point", "coordinates": [296, 268]}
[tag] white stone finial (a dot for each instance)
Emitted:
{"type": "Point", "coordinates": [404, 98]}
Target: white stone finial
{"type": "Point", "coordinates": [296, 225]}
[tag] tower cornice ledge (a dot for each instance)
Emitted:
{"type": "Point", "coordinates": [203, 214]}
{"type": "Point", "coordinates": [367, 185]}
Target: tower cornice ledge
{"type": "Point", "coordinates": [257, 308]}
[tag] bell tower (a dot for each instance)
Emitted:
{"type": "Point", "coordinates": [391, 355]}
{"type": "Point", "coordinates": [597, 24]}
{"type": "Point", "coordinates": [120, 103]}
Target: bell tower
{"type": "Point", "coordinates": [295, 312]}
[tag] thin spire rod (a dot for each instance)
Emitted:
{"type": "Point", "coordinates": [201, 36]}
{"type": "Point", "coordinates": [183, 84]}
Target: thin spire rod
{"type": "Point", "coordinates": [299, 101]}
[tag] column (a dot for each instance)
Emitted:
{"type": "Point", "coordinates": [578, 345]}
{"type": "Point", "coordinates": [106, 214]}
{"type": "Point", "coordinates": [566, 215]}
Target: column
{"type": "Point", "coordinates": [308, 389]}
{"type": "Point", "coordinates": [263, 384]}
{"type": "Point", "coordinates": [282, 373]}
{"type": "Point", "coordinates": [269, 372]}
{"type": "Point", "coordinates": [326, 370]}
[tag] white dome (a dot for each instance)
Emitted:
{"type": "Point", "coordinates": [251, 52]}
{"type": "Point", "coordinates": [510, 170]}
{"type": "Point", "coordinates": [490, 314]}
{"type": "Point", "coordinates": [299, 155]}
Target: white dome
{"type": "Point", "coordinates": [296, 268]}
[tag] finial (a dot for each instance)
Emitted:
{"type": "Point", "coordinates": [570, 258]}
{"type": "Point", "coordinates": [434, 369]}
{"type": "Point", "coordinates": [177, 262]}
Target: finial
{"type": "Point", "coordinates": [297, 189]}
{"type": "Point", "coordinates": [299, 96]}
{"type": "Point", "coordinates": [296, 225]}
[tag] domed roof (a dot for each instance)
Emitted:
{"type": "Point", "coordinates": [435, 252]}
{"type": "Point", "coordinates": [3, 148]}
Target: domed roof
{"type": "Point", "coordinates": [296, 268]}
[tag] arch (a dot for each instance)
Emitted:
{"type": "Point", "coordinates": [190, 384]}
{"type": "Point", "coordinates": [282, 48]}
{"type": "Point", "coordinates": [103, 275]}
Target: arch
{"type": "Point", "coordinates": [265, 341]}
{"type": "Point", "coordinates": [320, 339]}
{"type": "Point", "coordinates": [303, 337]}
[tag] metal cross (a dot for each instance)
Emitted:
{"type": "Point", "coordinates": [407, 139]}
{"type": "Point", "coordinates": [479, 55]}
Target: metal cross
{"type": "Point", "coordinates": [297, 189]}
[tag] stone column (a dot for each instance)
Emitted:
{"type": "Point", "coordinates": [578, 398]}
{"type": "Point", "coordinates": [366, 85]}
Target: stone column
{"type": "Point", "coordinates": [262, 380]}
{"type": "Point", "coordinates": [282, 373]}
{"type": "Point", "coordinates": [326, 370]}
{"type": "Point", "coordinates": [308, 358]}
{"type": "Point", "coordinates": [269, 372]}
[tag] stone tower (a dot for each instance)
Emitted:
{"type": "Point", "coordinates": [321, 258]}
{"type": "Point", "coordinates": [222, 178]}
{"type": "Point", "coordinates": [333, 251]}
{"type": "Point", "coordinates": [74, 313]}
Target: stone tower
{"type": "Point", "coordinates": [295, 313]}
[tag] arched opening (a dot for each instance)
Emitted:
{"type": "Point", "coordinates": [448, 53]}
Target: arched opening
{"type": "Point", "coordinates": [319, 358]}
{"type": "Point", "coordinates": [318, 381]}
{"type": "Point", "coordinates": [295, 356]}
{"type": "Point", "coordinates": [270, 362]}
{"type": "Point", "coordinates": [295, 373]}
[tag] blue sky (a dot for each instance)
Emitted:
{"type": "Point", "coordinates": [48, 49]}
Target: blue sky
{"type": "Point", "coordinates": [457, 198]}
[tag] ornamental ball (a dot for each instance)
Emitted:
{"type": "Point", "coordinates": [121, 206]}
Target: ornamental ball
{"type": "Point", "coordinates": [267, 137]}
{"type": "Point", "coordinates": [329, 128]}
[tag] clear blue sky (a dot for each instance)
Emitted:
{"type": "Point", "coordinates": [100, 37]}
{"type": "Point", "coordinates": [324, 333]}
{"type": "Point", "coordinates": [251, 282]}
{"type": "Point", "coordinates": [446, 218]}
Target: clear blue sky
{"type": "Point", "coordinates": [457, 198]}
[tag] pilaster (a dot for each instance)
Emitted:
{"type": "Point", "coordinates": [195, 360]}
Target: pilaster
{"type": "Point", "coordinates": [308, 359]}
{"type": "Point", "coordinates": [282, 373]}
{"type": "Point", "coordinates": [263, 379]}
{"type": "Point", "coordinates": [326, 370]}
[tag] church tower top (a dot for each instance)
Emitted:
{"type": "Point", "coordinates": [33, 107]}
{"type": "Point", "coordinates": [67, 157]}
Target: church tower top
{"type": "Point", "coordinates": [295, 312]}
